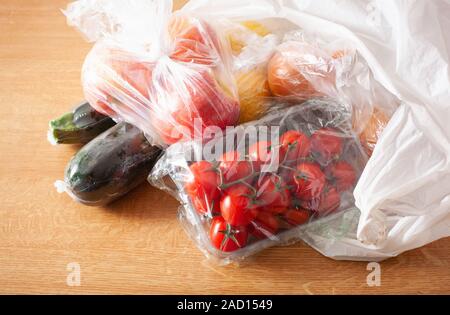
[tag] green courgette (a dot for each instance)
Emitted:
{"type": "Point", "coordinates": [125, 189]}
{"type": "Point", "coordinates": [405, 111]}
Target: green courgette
{"type": "Point", "coordinates": [78, 126]}
{"type": "Point", "coordinates": [109, 166]}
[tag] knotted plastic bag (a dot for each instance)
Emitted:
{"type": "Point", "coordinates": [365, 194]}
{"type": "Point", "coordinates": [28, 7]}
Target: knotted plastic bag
{"type": "Point", "coordinates": [167, 73]}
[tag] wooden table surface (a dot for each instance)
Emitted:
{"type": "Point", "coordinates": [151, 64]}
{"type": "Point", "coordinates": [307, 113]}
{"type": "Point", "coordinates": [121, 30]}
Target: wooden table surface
{"type": "Point", "coordinates": [135, 245]}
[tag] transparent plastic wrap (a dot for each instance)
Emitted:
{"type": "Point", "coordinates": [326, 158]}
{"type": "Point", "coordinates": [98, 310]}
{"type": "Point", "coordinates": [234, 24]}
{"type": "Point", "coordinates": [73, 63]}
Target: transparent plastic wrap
{"type": "Point", "coordinates": [252, 44]}
{"type": "Point", "coordinates": [402, 196]}
{"type": "Point", "coordinates": [167, 73]}
{"type": "Point", "coordinates": [262, 183]}
{"type": "Point", "coordinates": [109, 166]}
{"type": "Point", "coordinates": [303, 67]}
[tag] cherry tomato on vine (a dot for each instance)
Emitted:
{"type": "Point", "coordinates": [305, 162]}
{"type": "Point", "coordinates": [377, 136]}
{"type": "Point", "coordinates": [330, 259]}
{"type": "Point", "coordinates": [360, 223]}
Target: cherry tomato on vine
{"type": "Point", "coordinates": [297, 217]}
{"type": "Point", "coordinates": [294, 145]}
{"type": "Point", "coordinates": [226, 238]}
{"type": "Point", "coordinates": [238, 205]}
{"type": "Point", "coordinates": [328, 202]}
{"type": "Point", "coordinates": [310, 181]}
{"type": "Point", "coordinates": [265, 225]}
{"type": "Point", "coordinates": [261, 153]}
{"type": "Point", "coordinates": [326, 146]}
{"type": "Point", "coordinates": [342, 174]}
{"type": "Point", "coordinates": [234, 169]}
{"type": "Point", "coordinates": [272, 194]}
{"type": "Point", "coordinates": [202, 187]}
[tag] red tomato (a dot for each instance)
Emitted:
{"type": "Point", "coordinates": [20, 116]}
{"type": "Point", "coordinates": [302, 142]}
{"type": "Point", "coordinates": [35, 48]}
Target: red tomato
{"type": "Point", "coordinates": [310, 181]}
{"type": "Point", "coordinates": [203, 187]}
{"type": "Point", "coordinates": [287, 174]}
{"type": "Point", "coordinates": [302, 71]}
{"type": "Point", "coordinates": [111, 76]}
{"type": "Point", "coordinates": [234, 170]}
{"type": "Point", "coordinates": [326, 145]}
{"type": "Point", "coordinates": [297, 217]}
{"type": "Point", "coordinates": [203, 100]}
{"type": "Point", "coordinates": [294, 145]}
{"type": "Point", "coordinates": [265, 225]}
{"type": "Point", "coordinates": [194, 41]}
{"type": "Point", "coordinates": [226, 238]}
{"type": "Point", "coordinates": [238, 206]}
{"type": "Point", "coordinates": [273, 194]}
{"type": "Point", "coordinates": [261, 153]}
{"type": "Point", "coordinates": [328, 202]}
{"type": "Point", "coordinates": [342, 174]}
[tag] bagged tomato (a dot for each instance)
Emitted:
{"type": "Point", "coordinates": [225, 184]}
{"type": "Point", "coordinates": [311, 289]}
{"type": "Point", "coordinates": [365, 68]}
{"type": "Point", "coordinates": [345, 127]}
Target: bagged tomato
{"type": "Point", "coordinates": [302, 68]}
{"type": "Point", "coordinates": [167, 73]}
{"type": "Point", "coordinates": [263, 183]}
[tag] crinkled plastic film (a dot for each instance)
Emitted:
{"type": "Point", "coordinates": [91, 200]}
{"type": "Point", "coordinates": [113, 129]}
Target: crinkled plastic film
{"type": "Point", "coordinates": [160, 71]}
{"type": "Point", "coordinates": [295, 167]}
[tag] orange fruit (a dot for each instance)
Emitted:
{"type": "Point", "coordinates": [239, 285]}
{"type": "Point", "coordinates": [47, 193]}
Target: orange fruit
{"type": "Point", "coordinates": [302, 71]}
{"type": "Point", "coordinates": [373, 130]}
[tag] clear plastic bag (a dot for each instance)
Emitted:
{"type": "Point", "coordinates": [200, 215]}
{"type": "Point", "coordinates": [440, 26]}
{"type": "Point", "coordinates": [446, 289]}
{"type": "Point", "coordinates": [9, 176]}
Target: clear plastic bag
{"type": "Point", "coordinates": [264, 182]}
{"type": "Point", "coordinates": [167, 73]}
{"type": "Point", "coordinates": [303, 68]}
{"type": "Point", "coordinates": [252, 45]}
{"type": "Point", "coordinates": [402, 195]}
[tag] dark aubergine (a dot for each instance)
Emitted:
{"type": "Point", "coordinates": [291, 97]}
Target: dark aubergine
{"type": "Point", "coordinates": [81, 125]}
{"type": "Point", "coordinates": [110, 166]}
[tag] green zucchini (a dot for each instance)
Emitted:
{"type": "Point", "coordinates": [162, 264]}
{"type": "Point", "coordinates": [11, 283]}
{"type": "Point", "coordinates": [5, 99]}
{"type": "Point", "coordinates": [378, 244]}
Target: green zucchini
{"type": "Point", "coordinates": [109, 166]}
{"type": "Point", "coordinates": [78, 126]}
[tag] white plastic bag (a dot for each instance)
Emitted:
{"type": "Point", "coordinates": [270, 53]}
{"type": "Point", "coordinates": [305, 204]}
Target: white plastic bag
{"type": "Point", "coordinates": [404, 193]}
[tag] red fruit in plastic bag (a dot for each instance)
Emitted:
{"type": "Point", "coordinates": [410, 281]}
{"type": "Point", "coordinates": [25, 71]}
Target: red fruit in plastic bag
{"type": "Point", "coordinates": [261, 153]}
{"type": "Point", "coordinates": [238, 206]}
{"type": "Point", "coordinates": [193, 40]}
{"type": "Point", "coordinates": [272, 194]}
{"type": "Point", "coordinates": [265, 225]}
{"type": "Point", "coordinates": [310, 181]}
{"type": "Point", "coordinates": [297, 216]}
{"type": "Point", "coordinates": [295, 145]}
{"type": "Point", "coordinates": [328, 202]}
{"type": "Point", "coordinates": [113, 76]}
{"type": "Point", "coordinates": [326, 145]}
{"type": "Point", "coordinates": [233, 169]}
{"type": "Point", "coordinates": [202, 187]}
{"type": "Point", "coordinates": [342, 174]}
{"type": "Point", "coordinates": [225, 237]}
{"type": "Point", "coordinates": [302, 71]}
{"type": "Point", "coordinates": [203, 100]}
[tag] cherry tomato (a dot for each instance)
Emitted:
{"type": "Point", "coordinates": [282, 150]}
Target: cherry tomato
{"type": "Point", "coordinates": [238, 206]}
{"type": "Point", "coordinates": [226, 238]}
{"type": "Point", "coordinates": [297, 217]}
{"type": "Point", "coordinates": [261, 153]}
{"type": "Point", "coordinates": [273, 194]}
{"type": "Point", "coordinates": [287, 174]}
{"type": "Point", "coordinates": [342, 174]}
{"type": "Point", "coordinates": [202, 187]}
{"type": "Point", "coordinates": [310, 181]}
{"type": "Point", "coordinates": [328, 202]}
{"type": "Point", "coordinates": [265, 225]}
{"type": "Point", "coordinates": [326, 145]}
{"type": "Point", "coordinates": [294, 145]}
{"type": "Point", "coordinates": [233, 169]}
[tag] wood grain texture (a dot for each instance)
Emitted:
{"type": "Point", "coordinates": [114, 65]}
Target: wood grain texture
{"type": "Point", "coordinates": [137, 244]}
